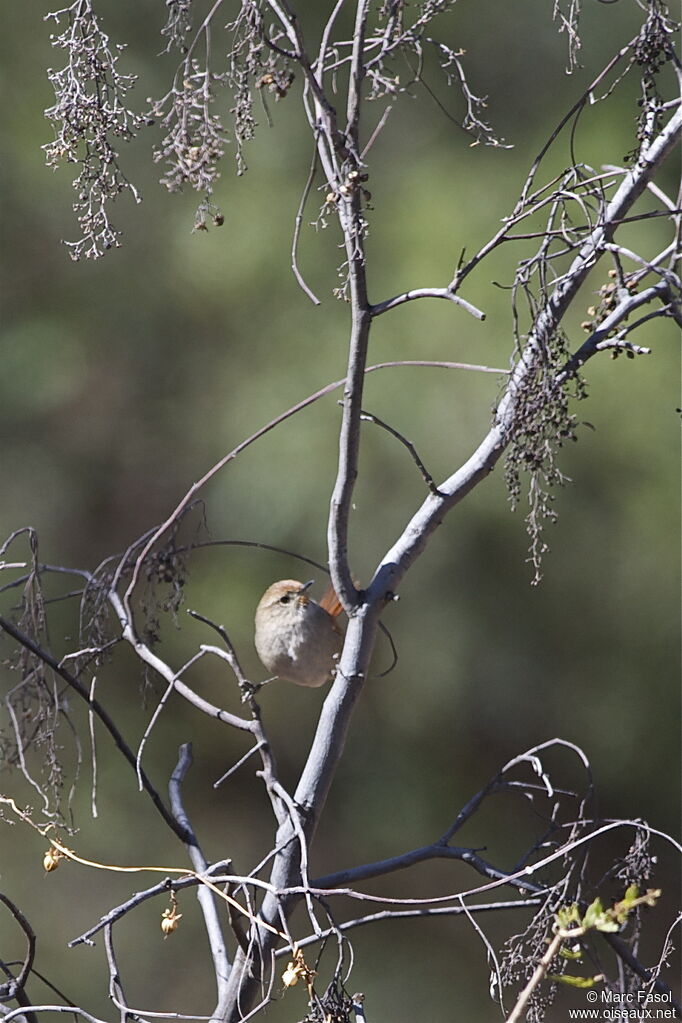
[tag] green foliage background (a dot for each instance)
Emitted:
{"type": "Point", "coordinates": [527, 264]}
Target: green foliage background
{"type": "Point", "coordinates": [125, 379]}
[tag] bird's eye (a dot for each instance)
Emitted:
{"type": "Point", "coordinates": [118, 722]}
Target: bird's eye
{"type": "Point", "coordinates": [285, 598]}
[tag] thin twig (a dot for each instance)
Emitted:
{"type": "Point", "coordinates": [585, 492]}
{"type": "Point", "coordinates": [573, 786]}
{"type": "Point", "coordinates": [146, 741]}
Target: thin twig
{"type": "Point", "coordinates": [157, 711]}
{"type": "Point", "coordinates": [101, 713]}
{"type": "Point", "coordinates": [93, 749]}
{"type": "Point", "coordinates": [369, 417]}
{"type": "Point", "coordinates": [377, 131]}
{"type": "Point", "coordinates": [17, 984]}
{"type": "Point", "coordinates": [147, 655]}
{"type": "Point", "coordinates": [493, 963]}
{"type": "Point", "coordinates": [70, 1009]}
{"type": "Point", "coordinates": [297, 230]}
{"type": "Point", "coordinates": [217, 871]}
{"type": "Point", "coordinates": [240, 762]}
{"type": "Point", "coordinates": [229, 652]}
{"type": "Point", "coordinates": [410, 914]}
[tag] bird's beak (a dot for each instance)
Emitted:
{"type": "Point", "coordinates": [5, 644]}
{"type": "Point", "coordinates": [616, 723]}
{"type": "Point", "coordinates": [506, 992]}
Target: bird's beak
{"type": "Point", "coordinates": [302, 597]}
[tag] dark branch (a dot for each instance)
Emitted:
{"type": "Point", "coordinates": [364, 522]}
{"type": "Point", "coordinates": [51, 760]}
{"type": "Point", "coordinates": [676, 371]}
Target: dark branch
{"type": "Point", "coordinates": [437, 850]}
{"type": "Point", "coordinates": [14, 988]}
{"type": "Point", "coordinates": [167, 885]}
{"type": "Point", "coordinates": [369, 417]}
{"type": "Point", "coordinates": [102, 714]}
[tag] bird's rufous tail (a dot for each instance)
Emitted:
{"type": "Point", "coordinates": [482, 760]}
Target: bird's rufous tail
{"type": "Point", "coordinates": [330, 602]}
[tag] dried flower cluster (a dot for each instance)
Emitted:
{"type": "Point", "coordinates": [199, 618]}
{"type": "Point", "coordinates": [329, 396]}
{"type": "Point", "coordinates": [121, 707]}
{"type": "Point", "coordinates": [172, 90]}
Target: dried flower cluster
{"type": "Point", "coordinates": [90, 118]}
{"type": "Point", "coordinates": [178, 24]}
{"type": "Point", "coordinates": [652, 51]}
{"type": "Point", "coordinates": [195, 135]}
{"type": "Point", "coordinates": [36, 709]}
{"type": "Point", "coordinates": [543, 422]}
{"type": "Point", "coordinates": [397, 42]}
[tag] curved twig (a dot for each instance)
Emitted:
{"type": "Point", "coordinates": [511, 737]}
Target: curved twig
{"type": "Point", "coordinates": [13, 987]}
{"type": "Point", "coordinates": [369, 417]}
{"type": "Point", "coordinates": [415, 293]}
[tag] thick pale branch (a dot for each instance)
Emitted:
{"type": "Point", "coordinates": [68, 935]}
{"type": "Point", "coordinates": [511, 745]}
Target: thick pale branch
{"type": "Point", "coordinates": [482, 462]}
{"type": "Point", "coordinates": [349, 435]}
{"type": "Point", "coordinates": [364, 608]}
{"type": "Point", "coordinates": [206, 898]}
{"type": "Point", "coordinates": [595, 342]}
{"type": "Point", "coordinates": [415, 293]}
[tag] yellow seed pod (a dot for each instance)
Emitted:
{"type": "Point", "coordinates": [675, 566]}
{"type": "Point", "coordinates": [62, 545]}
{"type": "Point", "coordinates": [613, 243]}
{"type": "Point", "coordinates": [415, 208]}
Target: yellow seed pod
{"type": "Point", "coordinates": [51, 859]}
{"type": "Point", "coordinates": [291, 975]}
{"type": "Point", "coordinates": [170, 920]}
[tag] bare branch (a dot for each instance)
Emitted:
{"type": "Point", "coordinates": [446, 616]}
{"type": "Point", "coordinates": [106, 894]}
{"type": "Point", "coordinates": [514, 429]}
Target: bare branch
{"type": "Point", "coordinates": [206, 898]}
{"type": "Point", "coordinates": [149, 657]}
{"type": "Point", "coordinates": [435, 364]}
{"type": "Point", "coordinates": [624, 952]}
{"type": "Point", "coordinates": [101, 713]}
{"type": "Point", "coordinates": [297, 231]}
{"type": "Point", "coordinates": [15, 986]}
{"type": "Point", "coordinates": [599, 339]}
{"type": "Point", "coordinates": [72, 1010]}
{"type": "Point", "coordinates": [369, 417]}
{"type": "Point", "coordinates": [229, 653]}
{"type": "Point", "coordinates": [436, 850]}
{"type": "Point", "coordinates": [116, 992]}
{"type": "Point", "coordinates": [415, 293]}
{"type": "Point", "coordinates": [157, 712]}
{"type": "Point", "coordinates": [426, 912]}
{"type": "Point", "coordinates": [240, 762]}
{"type": "Point", "coordinates": [422, 525]}
{"type": "Point", "coordinates": [215, 872]}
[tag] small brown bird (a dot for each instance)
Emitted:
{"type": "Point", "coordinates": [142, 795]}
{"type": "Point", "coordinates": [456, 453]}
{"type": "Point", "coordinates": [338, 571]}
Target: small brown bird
{"type": "Point", "coordinates": [298, 639]}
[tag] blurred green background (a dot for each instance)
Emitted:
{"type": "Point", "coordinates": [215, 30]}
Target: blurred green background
{"type": "Point", "coordinates": [125, 379]}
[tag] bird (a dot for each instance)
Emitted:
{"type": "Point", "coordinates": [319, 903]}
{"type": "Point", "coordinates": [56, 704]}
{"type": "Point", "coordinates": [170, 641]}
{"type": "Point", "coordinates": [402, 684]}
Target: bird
{"type": "Point", "coordinates": [296, 638]}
